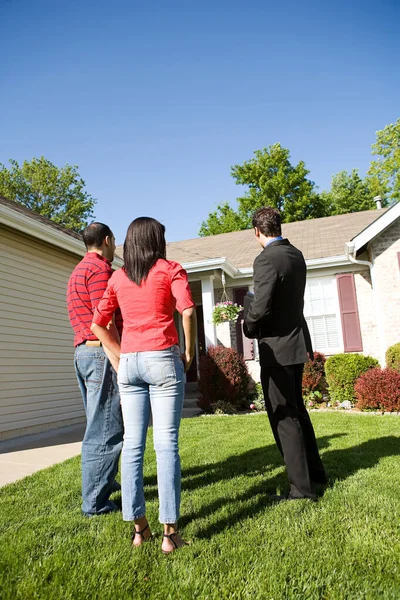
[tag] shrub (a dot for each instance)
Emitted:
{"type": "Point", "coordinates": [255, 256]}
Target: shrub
{"type": "Point", "coordinates": [378, 389]}
{"type": "Point", "coordinates": [224, 377]}
{"type": "Point", "coordinates": [314, 382]}
{"type": "Point", "coordinates": [256, 398]}
{"type": "Point", "coordinates": [342, 371]}
{"type": "Point", "coordinates": [393, 357]}
{"type": "Point", "coordinates": [223, 408]}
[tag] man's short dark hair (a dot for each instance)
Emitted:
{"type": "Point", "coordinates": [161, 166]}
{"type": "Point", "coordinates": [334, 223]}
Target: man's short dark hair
{"type": "Point", "coordinates": [95, 234]}
{"type": "Point", "coordinates": [268, 221]}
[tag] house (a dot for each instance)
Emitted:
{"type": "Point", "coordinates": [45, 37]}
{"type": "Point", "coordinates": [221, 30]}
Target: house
{"type": "Point", "coordinates": [352, 299]}
{"type": "Point", "coordinates": [38, 385]}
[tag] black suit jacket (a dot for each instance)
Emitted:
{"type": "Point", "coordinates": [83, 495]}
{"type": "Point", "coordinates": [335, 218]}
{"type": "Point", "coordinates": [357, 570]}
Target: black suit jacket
{"type": "Point", "coordinates": [275, 315]}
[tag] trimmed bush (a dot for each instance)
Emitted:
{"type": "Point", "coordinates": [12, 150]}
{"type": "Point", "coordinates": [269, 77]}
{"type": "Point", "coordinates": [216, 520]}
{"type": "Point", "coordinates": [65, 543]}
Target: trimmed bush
{"type": "Point", "coordinates": [342, 371]}
{"type": "Point", "coordinates": [224, 377]}
{"type": "Point", "coordinates": [378, 389]}
{"type": "Point", "coordinates": [393, 357]}
{"type": "Point", "coordinates": [314, 382]}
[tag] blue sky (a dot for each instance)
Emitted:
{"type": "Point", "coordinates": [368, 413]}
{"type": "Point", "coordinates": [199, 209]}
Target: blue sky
{"type": "Point", "coordinates": [156, 100]}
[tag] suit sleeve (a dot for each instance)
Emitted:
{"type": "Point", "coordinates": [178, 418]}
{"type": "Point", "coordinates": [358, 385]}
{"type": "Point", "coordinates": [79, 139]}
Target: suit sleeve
{"type": "Point", "coordinates": [265, 278]}
{"type": "Point", "coordinates": [307, 339]}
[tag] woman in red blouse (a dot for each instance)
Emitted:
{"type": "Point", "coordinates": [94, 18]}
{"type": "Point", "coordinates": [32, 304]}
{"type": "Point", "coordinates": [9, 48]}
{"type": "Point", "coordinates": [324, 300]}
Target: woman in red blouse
{"type": "Point", "coordinates": [148, 289]}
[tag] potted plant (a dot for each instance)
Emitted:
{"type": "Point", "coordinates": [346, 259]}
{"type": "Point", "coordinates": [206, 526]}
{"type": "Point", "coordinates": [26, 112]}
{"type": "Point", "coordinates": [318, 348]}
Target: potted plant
{"type": "Point", "coordinates": [225, 311]}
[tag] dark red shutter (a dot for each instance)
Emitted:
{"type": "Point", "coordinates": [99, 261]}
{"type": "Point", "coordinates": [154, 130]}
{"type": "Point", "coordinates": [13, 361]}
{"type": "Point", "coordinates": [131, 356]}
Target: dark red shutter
{"type": "Point", "coordinates": [349, 313]}
{"type": "Point", "coordinates": [244, 345]}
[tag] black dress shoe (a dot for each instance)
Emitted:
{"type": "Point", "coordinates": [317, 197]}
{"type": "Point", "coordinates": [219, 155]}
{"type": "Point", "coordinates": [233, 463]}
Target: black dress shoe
{"type": "Point", "coordinates": [279, 498]}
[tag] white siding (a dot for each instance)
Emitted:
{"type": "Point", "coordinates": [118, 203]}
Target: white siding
{"type": "Point", "coordinates": [38, 385]}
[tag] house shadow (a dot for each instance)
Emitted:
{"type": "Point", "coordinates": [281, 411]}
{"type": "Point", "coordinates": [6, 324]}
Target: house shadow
{"type": "Point", "coordinates": [340, 464]}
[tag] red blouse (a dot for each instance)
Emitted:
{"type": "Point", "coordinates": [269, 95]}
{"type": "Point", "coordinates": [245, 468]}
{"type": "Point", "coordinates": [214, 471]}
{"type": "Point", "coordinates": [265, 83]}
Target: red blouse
{"type": "Point", "coordinates": [147, 309]}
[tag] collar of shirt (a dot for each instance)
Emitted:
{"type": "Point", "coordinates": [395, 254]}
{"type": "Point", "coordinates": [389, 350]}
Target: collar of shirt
{"type": "Point", "coordinates": [275, 239]}
{"type": "Point", "coordinates": [99, 256]}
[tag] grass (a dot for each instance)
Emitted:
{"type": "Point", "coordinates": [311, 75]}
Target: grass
{"type": "Point", "coordinates": [346, 546]}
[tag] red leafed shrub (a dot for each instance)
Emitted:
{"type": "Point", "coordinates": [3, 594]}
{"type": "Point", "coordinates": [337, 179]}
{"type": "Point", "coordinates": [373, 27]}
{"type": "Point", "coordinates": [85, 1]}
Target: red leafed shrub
{"type": "Point", "coordinates": [314, 375]}
{"type": "Point", "coordinates": [223, 377]}
{"type": "Point", "coordinates": [378, 389]}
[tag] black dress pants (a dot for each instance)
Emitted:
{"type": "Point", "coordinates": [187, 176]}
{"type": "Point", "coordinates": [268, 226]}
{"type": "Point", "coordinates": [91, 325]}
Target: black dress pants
{"type": "Point", "coordinates": [292, 428]}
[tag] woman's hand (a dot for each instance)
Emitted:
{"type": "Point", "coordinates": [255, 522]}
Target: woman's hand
{"type": "Point", "coordinates": [187, 358]}
{"type": "Point", "coordinates": [189, 323]}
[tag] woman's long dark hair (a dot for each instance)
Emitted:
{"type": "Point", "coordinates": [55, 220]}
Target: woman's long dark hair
{"type": "Point", "coordinates": [144, 245]}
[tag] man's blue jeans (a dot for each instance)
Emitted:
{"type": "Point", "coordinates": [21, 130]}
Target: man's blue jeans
{"type": "Point", "coordinates": [151, 379]}
{"type": "Point", "coordinates": [102, 443]}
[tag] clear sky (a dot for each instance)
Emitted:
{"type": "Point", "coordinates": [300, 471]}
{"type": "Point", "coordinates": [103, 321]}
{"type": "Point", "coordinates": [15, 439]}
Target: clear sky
{"type": "Point", "coordinates": [155, 100]}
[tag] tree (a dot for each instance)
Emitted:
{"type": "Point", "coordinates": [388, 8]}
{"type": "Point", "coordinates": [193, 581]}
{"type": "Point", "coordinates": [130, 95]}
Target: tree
{"type": "Point", "coordinates": [349, 193]}
{"type": "Point", "coordinates": [272, 181]}
{"type": "Point", "coordinates": [56, 193]}
{"type": "Point", "coordinates": [384, 173]}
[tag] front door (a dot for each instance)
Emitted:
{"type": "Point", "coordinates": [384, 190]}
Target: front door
{"type": "Point", "coordinates": [191, 375]}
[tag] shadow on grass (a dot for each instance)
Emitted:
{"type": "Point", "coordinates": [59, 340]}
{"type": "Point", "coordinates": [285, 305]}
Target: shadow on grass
{"type": "Point", "coordinates": [340, 464]}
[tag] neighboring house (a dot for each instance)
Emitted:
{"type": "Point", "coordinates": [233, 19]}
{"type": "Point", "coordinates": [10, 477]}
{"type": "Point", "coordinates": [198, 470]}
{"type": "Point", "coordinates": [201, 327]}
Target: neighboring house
{"type": "Point", "coordinates": [38, 388]}
{"type": "Point", "coordinates": [352, 299]}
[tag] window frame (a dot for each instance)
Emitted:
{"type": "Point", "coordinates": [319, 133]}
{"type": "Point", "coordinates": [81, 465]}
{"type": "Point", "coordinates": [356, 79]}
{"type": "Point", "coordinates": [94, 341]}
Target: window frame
{"type": "Point", "coordinates": [336, 349]}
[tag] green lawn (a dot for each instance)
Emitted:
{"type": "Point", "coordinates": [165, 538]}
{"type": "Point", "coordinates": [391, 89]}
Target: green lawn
{"type": "Point", "coordinates": [345, 546]}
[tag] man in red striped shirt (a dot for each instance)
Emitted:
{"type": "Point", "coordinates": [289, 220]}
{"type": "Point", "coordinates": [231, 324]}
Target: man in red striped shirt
{"type": "Point", "coordinates": [102, 443]}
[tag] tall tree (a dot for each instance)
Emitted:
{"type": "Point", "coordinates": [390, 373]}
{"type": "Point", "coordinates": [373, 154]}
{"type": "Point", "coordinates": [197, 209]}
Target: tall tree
{"type": "Point", "coordinates": [272, 180]}
{"type": "Point", "coordinates": [349, 193]}
{"type": "Point", "coordinates": [57, 193]}
{"type": "Point", "coordinates": [384, 172]}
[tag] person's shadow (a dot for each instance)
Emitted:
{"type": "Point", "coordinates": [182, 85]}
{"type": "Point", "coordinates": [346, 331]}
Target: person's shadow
{"type": "Point", "coordinates": [263, 461]}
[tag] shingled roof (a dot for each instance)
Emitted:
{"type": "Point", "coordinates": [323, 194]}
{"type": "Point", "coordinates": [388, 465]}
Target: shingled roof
{"type": "Point", "coordinates": [316, 238]}
{"type": "Point", "coordinates": [37, 217]}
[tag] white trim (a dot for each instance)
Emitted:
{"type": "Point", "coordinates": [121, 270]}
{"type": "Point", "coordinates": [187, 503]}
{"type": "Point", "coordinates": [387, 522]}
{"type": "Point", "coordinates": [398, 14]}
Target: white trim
{"type": "Point", "coordinates": [376, 227]}
{"type": "Point", "coordinates": [215, 263]}
{"type": "Point", "coordinates": [227, 267]}
{"type": "Point", "coordinates": [208, 302]}
{"type": "Point", "coordinates": [36, 229]}
{"type": "Point", "coordinates": [327, 261]}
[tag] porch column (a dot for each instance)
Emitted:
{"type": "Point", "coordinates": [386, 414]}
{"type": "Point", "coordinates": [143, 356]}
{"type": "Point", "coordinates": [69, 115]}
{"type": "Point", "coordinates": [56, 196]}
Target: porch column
{"type": "Point", "coordinates": [207, 295]}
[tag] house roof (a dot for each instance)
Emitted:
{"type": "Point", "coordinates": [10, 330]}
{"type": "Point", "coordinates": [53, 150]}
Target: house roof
{"type": "Point", "coordinates": [316, 238]}
{"type": "Point", "coordinates": [15, 206]}
{"type": "Point", "coordinates": [16, 216]}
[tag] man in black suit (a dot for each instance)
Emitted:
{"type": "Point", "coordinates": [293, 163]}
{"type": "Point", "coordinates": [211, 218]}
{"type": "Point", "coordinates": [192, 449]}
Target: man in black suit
{"type": "Point", "coordinates": [275, 318]}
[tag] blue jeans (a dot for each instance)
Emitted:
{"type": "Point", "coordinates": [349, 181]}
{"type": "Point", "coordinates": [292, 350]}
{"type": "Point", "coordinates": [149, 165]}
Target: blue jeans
{"type": "Point", "coordinates": [101, 446]}
{"type": "Point", "coordinates": [151, 379]}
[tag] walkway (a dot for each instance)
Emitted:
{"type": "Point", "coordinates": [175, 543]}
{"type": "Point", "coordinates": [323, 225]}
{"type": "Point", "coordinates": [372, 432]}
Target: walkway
{"type": "Point", "coordinates": [26, 455]}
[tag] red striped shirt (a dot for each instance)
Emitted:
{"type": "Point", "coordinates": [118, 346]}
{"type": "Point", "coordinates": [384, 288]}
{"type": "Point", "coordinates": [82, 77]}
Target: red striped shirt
{"type": "Point", "coordinates": [86, 287]}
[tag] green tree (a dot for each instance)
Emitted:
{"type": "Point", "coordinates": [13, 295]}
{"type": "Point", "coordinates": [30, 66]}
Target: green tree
{"type": "Point", "coordinates": [272, 181]}
{"type": "Point", "coordinates": [349, 193]}
{"type": "Point", "coordinates": [56, 193]}
{"type": "Point", "coordinates": [384, 172]}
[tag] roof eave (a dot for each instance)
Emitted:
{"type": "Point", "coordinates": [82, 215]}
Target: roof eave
{"type": "Point", "coordinates": [235, 273]}
{"type": "Point", "coordinates": [376, 227]}
{"type": "Point", "coordinates": [21, 222]}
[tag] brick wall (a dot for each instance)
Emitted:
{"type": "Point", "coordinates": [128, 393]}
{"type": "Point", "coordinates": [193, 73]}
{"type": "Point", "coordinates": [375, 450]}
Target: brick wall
{"type": "Point", "coordinates": [366, 311]}
{"type": "Point", "coordinates": [387, 272]}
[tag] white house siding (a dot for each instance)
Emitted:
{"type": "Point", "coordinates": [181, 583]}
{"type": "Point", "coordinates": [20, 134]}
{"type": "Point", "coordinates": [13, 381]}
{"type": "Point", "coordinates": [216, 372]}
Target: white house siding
{"type": "Point", "coordinates": [38, 388]}
{"type": "Point", "coordinates": [385, 249]}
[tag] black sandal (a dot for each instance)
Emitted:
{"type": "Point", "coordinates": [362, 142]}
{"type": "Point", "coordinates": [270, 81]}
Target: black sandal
{"type": "Point", "coordinates": [141, 535]}
{"type": "Point", "coordinates": [170, 536]}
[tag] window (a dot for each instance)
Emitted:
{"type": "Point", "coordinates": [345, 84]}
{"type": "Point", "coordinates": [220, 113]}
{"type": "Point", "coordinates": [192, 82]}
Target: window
{"type": "Point", "coordinates": [322, 314]}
